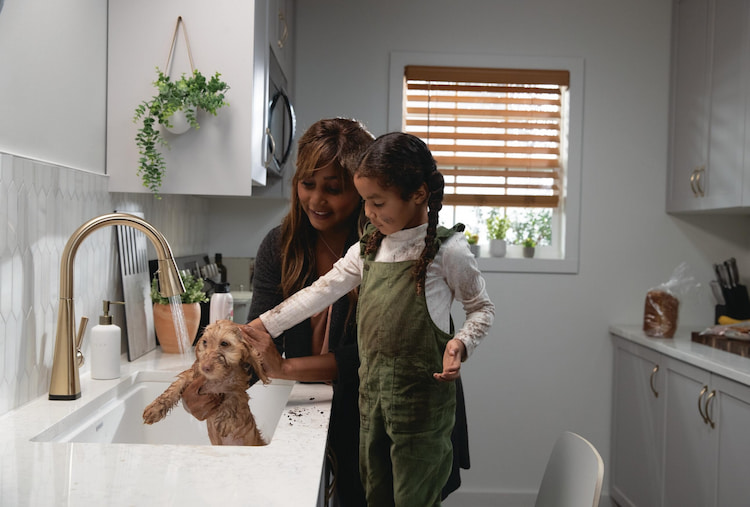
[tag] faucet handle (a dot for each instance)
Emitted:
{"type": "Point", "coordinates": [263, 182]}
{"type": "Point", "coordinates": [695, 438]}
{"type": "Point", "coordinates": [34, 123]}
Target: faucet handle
{"type": "Point", "coordinates": [79, 340]}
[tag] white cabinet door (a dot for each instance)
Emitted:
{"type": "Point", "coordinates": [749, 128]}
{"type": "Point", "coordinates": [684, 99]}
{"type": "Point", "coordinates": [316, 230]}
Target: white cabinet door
{"type": "Point", "coordinates": [689, 104]}
{"type": "Point", "coordinates": [281, 34]}
{"type": "Point", "coordinates": [724, 174]}
{"type": "Point", "coordinates": [730, 411]}
{"type": "Point", "coordinates": [639, 400]}
{"type": "Point", "coordinates": [689, 456]}
{"type": "Point", "coordinates": [710, 65]}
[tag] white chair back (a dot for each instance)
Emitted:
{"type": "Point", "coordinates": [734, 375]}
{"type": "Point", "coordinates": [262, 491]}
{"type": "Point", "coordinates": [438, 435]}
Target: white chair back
{"type": "Point", "coordinates": [574, 474]}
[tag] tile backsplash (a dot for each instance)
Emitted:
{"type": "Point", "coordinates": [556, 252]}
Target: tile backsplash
{"type": "Point", "coordinates": [41, 204]}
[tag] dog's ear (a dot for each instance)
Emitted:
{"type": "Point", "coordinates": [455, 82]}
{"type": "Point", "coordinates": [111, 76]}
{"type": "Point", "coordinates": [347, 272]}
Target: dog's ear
{"type": "Point", "coordinates": [252, 359]}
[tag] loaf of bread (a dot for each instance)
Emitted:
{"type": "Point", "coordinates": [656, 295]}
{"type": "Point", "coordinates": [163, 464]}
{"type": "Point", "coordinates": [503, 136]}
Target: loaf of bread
{"type": "Point", "coordinates": [660, 315]}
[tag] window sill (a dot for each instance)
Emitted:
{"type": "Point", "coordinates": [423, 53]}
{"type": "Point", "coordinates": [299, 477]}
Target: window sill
{"type": "Point", "coordinates": [523, 265]}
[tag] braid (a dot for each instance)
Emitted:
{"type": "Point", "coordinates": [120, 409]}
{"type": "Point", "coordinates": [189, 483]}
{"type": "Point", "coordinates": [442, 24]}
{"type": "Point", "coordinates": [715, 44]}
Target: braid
{"type": "Point", "coordinates": [373, 242]}
{"type": "Point", "coordinates": [435, 185]}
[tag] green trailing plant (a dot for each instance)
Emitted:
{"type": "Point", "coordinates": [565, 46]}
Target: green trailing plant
{"type": "Point", "coordinates": [187, 93]}
{"type": "Point", "coordinates": [194, 292]}
{"type": "Point", "coordinates": [497, 225]}
{"type": "Point", "coordinates": [471, 237]}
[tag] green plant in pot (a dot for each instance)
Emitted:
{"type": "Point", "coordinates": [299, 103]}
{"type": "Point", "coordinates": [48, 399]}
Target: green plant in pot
{"type": "Point", "coordinates": [187, 94]}
{"type": "Point", "coordinates": [497, 230]}
{"type": "Point", "coordinates": [529, 245]}
{"type": "Point", "coordinates": [164, 320]}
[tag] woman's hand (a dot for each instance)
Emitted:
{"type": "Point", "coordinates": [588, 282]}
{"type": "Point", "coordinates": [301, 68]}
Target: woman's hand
{"type": "Point", "coordinates": [454, 352]}
{"type": "Point", "coordinates": [198, 404]}
{"type": "Point", "coordinates": [257, 336]}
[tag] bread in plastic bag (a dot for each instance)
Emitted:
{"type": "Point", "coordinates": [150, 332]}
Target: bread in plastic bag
{"type": "Point", "coordinates": [661, 313]}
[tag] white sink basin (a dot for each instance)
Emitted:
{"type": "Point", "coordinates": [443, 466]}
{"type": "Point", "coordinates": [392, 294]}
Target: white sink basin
{"type": "Point", "coordinates": [116, 416]}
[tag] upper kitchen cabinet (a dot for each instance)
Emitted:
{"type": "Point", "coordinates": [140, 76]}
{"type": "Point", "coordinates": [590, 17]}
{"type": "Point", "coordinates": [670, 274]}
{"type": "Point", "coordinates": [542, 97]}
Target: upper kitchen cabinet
{"type": "Point", "coordinates": [226, 155]}
{"type": "Point", "coordinates": [281, 33]}
{"type": "Point", "coordinates": [708, 169]}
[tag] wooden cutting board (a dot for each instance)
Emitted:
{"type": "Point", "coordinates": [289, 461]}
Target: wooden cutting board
{"type": "Point", "coordinates": [136, 289]}
{"type": "Point", "coordinates": [739, 347]}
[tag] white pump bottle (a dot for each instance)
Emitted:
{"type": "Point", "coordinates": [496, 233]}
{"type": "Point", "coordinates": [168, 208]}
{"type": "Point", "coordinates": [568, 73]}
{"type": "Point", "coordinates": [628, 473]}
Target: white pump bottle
{"type": "Point", "coordinates": [105, 346]}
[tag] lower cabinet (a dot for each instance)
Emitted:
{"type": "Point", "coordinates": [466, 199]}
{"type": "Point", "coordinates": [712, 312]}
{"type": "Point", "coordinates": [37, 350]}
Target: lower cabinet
{"type": "Point", "coordinates": [680, 434]}
{"type": "Point", "coordinates": [637, 426]}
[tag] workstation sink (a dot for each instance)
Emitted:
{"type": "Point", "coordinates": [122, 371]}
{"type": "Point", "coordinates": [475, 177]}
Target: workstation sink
{"type": "Point", "coordinates": [116, 416]}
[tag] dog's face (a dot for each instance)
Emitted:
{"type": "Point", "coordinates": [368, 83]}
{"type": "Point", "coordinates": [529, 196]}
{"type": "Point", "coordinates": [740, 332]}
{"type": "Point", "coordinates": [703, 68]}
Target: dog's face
{"type": "Point", "coordinates": [222, 350]}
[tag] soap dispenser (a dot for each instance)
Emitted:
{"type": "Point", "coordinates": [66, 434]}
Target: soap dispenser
{"type": "Point", "coordinates": [105, 346]}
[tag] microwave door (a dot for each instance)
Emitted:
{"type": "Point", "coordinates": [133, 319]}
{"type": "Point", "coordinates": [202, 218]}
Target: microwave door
{"type": "Point", "coordinates": [280, 131]}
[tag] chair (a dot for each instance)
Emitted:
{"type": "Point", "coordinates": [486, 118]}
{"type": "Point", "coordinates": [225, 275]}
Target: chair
{"type": "Point", "coordinates": [574, 474]}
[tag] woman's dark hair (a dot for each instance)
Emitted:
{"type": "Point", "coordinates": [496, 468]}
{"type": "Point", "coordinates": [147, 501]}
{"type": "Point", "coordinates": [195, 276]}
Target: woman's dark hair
{"type": "Point", "coordinates": [334, 141]}
{"type": "Point", "coordinates": [403, 161]}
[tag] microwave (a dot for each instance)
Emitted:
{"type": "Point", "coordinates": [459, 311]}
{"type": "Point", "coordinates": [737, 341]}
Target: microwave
{"type": "Point", "coordinates": [280, 120]}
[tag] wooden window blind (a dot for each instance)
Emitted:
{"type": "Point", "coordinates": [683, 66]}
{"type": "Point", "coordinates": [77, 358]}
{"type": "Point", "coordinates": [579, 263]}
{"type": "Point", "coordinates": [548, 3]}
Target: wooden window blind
{"type": "Point", "coordinates": [496, 134]}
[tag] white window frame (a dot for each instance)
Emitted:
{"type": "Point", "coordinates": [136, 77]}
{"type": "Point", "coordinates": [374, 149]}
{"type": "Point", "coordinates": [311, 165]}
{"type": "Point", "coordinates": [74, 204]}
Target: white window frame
{"type": "Point", "coordinates": [571, 192]}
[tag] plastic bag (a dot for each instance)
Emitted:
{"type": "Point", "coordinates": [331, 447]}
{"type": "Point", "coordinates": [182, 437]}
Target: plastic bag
{"type": "Point", "coordinates": [663, 303]}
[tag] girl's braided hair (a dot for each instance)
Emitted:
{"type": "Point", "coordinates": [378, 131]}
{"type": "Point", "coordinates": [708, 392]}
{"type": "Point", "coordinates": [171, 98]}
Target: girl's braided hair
{"type": "Point", "coordinates": [404, 162]}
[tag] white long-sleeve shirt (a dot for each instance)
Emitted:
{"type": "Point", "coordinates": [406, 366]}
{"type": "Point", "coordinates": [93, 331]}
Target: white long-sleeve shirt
{"type": "Point", "coordinates": [452, 275]}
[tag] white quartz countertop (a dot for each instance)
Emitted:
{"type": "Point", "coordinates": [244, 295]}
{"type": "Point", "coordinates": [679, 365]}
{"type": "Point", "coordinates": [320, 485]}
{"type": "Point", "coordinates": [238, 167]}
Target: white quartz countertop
{"type": "Point", "coordinates": [285, 473]}
{"type": "Point", "coordinates": [726, 364]}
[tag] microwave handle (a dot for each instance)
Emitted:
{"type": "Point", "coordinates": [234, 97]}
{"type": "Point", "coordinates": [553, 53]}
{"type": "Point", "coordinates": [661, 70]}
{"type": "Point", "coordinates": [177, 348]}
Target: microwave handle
{"type": "Point", "coordinates": [274, 163]}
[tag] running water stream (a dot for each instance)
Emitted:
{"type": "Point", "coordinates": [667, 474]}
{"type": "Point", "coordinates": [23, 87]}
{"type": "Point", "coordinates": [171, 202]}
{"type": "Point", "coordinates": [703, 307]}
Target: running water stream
{"type": "Point", "coordinates": [178, 318]}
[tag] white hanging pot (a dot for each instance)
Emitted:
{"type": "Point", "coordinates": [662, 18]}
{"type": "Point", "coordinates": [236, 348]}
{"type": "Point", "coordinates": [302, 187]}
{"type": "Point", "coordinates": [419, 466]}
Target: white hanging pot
{"type": "Point", "coordinates": [179, 121]}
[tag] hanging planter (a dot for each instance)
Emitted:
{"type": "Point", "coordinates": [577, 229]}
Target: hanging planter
{"type": "Point", "coordinates": [179, 121]}
{"type": "Point", "coordinates": [174, 107]}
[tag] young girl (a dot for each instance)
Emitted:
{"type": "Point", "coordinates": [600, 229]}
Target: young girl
{"type": "Point", "coordinates": [408, 271]}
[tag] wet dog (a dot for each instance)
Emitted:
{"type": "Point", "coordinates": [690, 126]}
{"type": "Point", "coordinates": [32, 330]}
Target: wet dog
{"type": "Point", "coordinates": [224, 365]}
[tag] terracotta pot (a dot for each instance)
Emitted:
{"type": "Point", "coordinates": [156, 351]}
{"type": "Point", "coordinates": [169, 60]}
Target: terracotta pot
{"type": "Point", "coordinates": [165, 328]}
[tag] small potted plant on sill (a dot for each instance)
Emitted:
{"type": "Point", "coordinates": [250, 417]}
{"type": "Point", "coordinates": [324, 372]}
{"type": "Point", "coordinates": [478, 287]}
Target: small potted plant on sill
{"type": "Point", "coordinates": [497, 229]}
{"type": "Point", "coordinates": [164, 320]}
{"type": "Point", "coordinates": [187, 94]}
{"type": "Point", "coordinates": [529, 245]}
{"type": "Point", "coordinates": [472, 239]}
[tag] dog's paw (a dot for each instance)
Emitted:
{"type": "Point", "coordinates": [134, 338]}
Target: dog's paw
{"type": "Point", "coordinates": [155, 412]}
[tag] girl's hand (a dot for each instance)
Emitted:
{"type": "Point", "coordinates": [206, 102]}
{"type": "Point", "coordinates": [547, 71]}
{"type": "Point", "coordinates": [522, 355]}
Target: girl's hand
{"type": "Point", "coordinates": [454, 351]}
{"type": "Point", "coordinates": [256, 335]}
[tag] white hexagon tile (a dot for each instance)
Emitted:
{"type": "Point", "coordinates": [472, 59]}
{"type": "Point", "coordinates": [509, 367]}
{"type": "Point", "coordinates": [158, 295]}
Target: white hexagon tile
{"type": "Point", "coordinates": [40, 206]}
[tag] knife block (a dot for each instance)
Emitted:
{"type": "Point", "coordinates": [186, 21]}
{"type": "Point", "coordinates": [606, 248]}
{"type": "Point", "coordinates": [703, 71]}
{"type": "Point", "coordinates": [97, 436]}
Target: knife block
{"type": "Point", "coordinates": [737, 302]}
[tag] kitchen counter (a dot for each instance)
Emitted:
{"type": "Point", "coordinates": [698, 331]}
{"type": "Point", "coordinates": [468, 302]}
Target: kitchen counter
{"type": "Point", "coordinates": [726, 364]}
{"type": "Point", "coordinates": [285, 473]}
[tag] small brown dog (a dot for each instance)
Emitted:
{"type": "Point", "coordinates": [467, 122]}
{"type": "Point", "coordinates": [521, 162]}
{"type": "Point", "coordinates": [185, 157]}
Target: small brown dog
{"type": "Point", "coordinates": [224, 364]}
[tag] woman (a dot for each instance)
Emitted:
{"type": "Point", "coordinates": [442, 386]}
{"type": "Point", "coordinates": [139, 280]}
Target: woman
{"type": "Point", "coordinates": [324, 219]}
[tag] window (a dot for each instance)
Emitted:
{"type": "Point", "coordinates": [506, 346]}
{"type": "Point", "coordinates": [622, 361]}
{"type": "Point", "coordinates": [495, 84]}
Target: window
{"type": "Point", "coordinates": [506, 136]}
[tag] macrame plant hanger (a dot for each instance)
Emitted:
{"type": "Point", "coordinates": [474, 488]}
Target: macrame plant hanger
{"type": "Point", "coordinates": [168, 64]}
{"type": "Point", "coordinates": [179, 122]}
